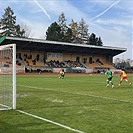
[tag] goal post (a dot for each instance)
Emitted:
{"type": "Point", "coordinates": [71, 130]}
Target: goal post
{"type": "Point", "coordinates": [8, 77]}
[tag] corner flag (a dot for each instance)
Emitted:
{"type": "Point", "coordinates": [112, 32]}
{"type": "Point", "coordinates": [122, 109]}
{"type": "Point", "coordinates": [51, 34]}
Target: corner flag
{"type": "Point", "coordinates": [2, 39]}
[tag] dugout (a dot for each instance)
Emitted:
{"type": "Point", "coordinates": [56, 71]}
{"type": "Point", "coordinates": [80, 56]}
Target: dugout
{"type": "Point", "coordinates": [71, 55]}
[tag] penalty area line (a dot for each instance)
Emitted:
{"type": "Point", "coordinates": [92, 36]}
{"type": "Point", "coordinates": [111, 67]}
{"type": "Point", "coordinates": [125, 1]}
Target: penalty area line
{"type": "Point", "coordinates": [55, 123]}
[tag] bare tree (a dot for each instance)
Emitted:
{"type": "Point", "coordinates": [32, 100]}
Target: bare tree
{"type": "Point", "coordinates": [27, 30]}
{"type": "Point", "coordinates": [74, 26]}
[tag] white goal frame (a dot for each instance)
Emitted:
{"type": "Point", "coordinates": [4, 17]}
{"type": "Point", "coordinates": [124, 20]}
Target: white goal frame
{"type": "Point", "coordinates": [13, 74]}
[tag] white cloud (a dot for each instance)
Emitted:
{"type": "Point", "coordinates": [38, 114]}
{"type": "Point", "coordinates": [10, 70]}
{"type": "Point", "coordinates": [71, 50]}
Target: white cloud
{"type": "Point", "coordinates": [102, 13]}
{"type": "Point", "coordinates": [43, 9]}
{"type": "Point", "coordinates": [114, 29]}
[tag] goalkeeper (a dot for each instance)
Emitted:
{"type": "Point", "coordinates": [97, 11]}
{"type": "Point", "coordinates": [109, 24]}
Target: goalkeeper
{"type": "Point", "coordinates": [109, 78]}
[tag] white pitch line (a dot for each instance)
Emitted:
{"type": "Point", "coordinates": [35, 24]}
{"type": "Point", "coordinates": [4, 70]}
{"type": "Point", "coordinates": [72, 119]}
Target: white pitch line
{"type": "Point", "coordinates": [106, 98]}
{"type": "Point", "coordinates": [55, 123]}
{"type": "Point", "coordinates": [81, 94]}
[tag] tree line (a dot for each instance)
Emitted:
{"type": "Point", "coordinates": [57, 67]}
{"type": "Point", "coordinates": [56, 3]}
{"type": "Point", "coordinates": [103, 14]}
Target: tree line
{"type": "Point", "coordinates": [75, 32]}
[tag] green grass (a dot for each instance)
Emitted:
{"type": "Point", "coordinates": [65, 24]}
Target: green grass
{"type": "Point", "coordinates": [80, 102]}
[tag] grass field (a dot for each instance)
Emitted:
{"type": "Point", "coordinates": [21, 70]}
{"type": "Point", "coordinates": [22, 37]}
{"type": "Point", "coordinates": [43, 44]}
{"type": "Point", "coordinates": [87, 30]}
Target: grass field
{"type": "Point", "coordinates": [76, 104]}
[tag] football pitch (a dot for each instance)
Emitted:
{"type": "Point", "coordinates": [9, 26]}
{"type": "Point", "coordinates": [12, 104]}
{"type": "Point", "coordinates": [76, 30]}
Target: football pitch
{"type": "Point", "coordinates": [76, 104]}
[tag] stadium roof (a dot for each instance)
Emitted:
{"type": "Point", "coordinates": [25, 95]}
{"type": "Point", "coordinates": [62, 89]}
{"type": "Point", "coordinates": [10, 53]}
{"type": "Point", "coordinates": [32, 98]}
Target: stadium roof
{"type": "Point", "coordinates": [31, 44]}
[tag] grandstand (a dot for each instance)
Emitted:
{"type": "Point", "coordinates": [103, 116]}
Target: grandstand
{"type": "Point", "coordinates": [34, 55]}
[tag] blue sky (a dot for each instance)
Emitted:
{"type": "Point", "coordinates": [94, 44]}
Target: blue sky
{"type": "Point", "coordinates": [109, 19]}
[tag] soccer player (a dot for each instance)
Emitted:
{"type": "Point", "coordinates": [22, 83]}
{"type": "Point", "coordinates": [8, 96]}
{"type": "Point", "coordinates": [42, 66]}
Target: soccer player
{"type": "Point", "coordinates": [109, 78]}
{"type": "Point", "coordinates": [123, 76]}
{"type": "Point", "coordinates": [60, 72]}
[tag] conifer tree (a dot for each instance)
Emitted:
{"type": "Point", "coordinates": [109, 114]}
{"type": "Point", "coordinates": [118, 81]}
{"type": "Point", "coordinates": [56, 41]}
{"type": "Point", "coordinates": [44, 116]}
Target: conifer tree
{"type": "Point", "coordinates": [53, 32]}
{"type": "Point", "coordinates": [83, 31]}
{"type": "Point", "coordinates": [92, 39]}
{"type": "Point", "coordinates": [99, 42]}
{"type": "Point", "coordinates": [65, 31]}
{"type": "Point", "coordinates": [62, 23]}
{"type": "Point", "coordinates": [8, 25]}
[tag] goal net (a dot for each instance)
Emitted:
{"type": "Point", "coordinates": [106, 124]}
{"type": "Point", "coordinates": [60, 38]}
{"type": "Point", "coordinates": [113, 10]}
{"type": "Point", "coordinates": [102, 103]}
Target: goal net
{"type": "Point", "coordinates": [8, 77]}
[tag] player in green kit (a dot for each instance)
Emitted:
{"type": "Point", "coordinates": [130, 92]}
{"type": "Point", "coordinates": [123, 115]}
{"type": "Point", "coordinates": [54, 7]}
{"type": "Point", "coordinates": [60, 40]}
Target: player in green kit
{"type": "Point", "coordinates": [62, 74]}
{"type": "Point", "coordinates": [109, 78]}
